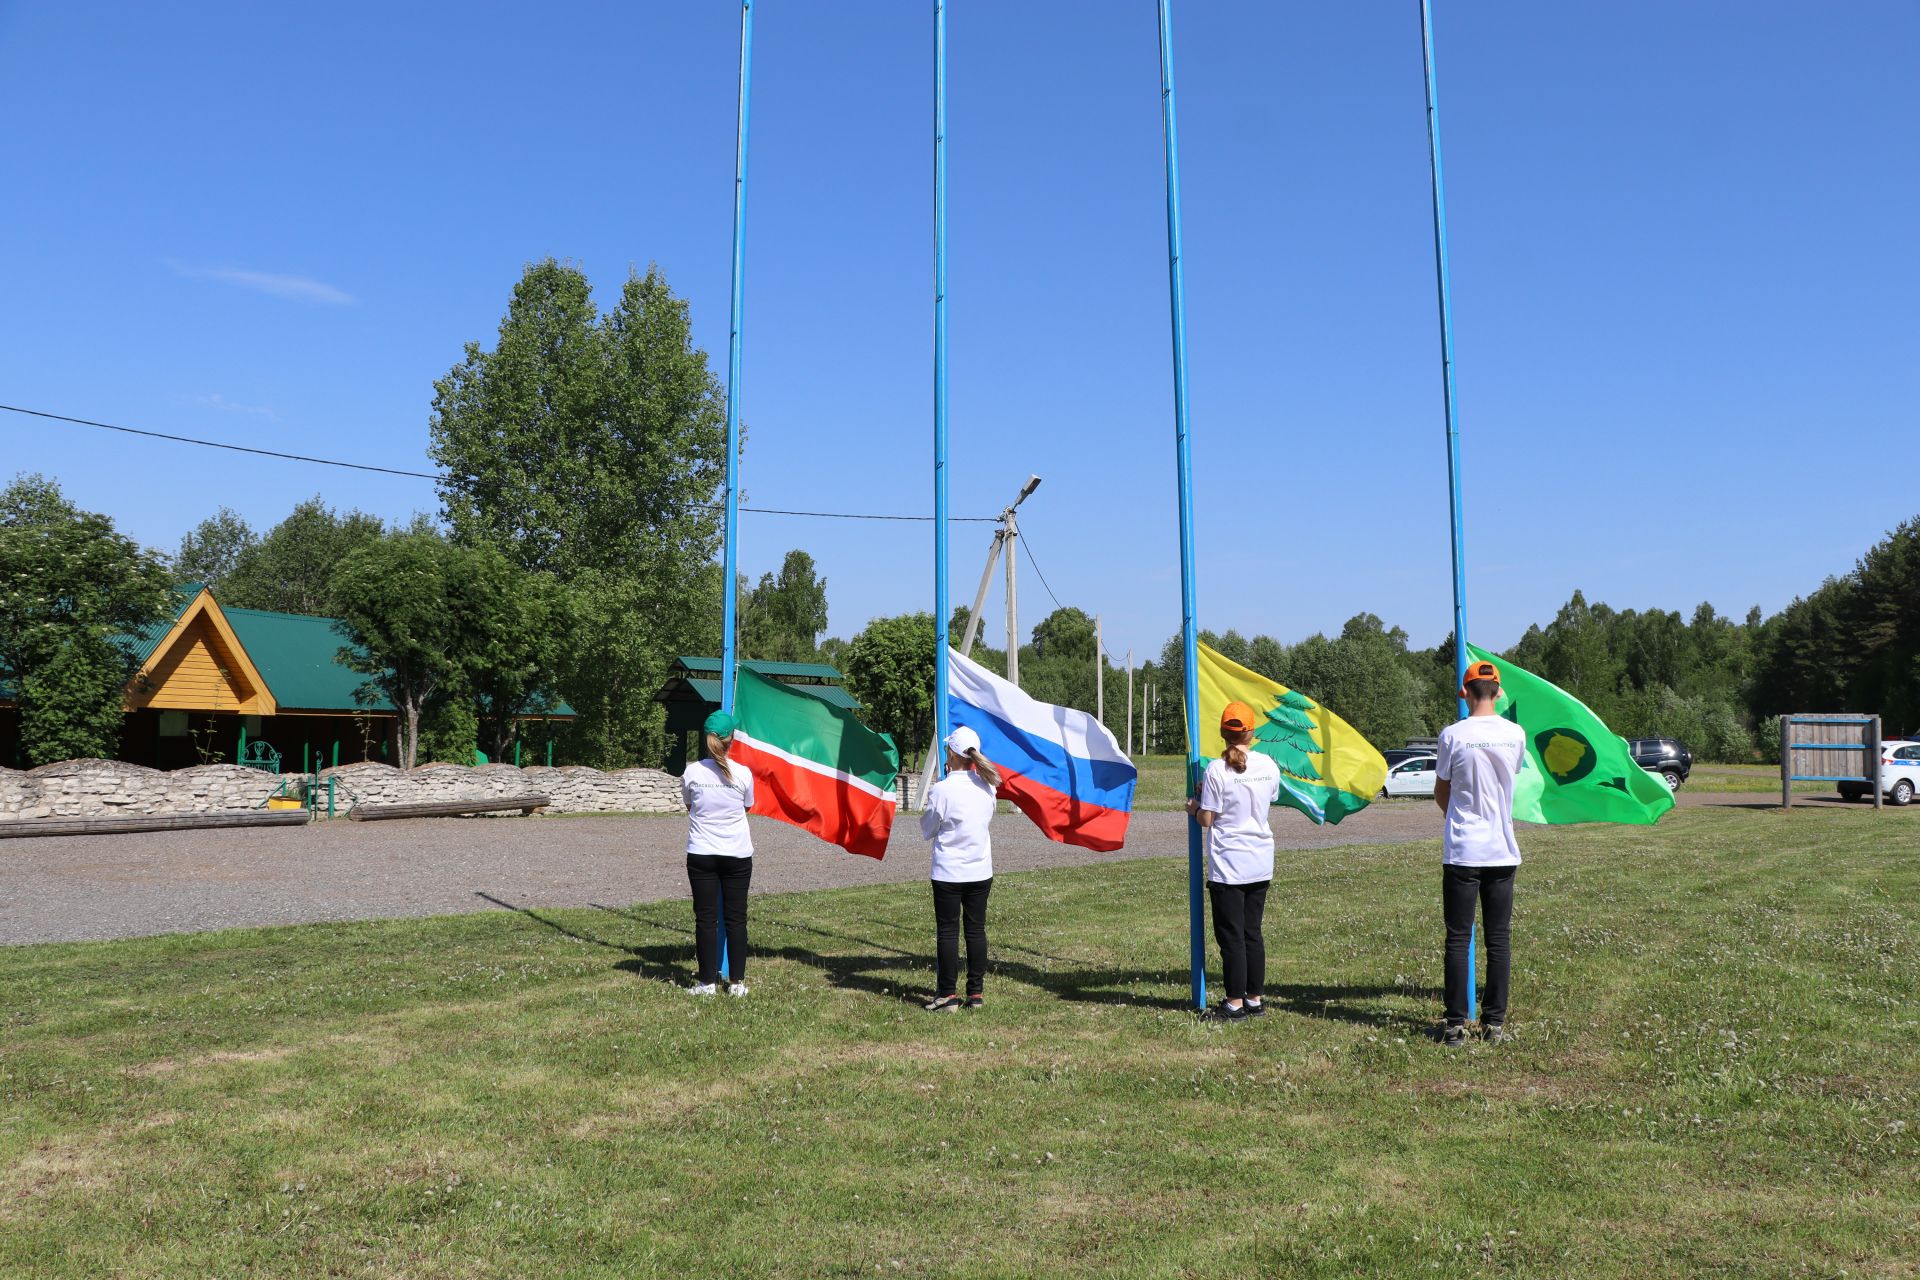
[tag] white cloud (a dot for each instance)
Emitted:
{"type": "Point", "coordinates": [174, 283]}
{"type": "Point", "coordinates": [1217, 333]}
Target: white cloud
{"type": "Point", "coordinates": [298, 288]}
{"type": "Point", "coordinates": [220, 402]}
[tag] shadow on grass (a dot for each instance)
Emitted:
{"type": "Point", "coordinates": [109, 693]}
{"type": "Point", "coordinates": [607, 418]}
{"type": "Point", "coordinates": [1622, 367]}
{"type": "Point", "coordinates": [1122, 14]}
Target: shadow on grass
{"type": "Point", "coordinates": [1350, 1004]}
{"type": "Point", "coordinates": [655, 963]}
{"type": "Point", "coordinates": [899, 973]}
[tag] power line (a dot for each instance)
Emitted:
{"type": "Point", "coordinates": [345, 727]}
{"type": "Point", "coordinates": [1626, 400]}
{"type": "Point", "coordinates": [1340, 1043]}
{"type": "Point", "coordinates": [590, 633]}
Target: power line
{"type": "Point", "coordinates": [423, 475]}
{"type": "Point", "coordinates": [216, 444]}
{"type": "Point", "coordinates": [1028, 548]}
{"type": "Point", "coordinates": [860, 515]}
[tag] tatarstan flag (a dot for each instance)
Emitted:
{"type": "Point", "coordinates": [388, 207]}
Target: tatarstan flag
{"type": "Point", "coordinates": [814, 765]}
{"type": "Point", "coordinates": [1327, 770]}
{"type": "Point", "coordinates": [1578, 770]}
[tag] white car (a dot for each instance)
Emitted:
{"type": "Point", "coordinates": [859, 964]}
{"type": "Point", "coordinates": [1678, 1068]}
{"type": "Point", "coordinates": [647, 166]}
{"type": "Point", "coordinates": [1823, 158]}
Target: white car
{"type": "Point", "coordinates": [1899, 773]}
{"type": "Point", "coordinates": [1414, 777]}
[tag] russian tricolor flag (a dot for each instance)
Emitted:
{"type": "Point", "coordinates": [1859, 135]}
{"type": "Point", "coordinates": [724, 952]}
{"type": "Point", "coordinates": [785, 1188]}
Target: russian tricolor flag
{"type": "Point", "coordinates": [1062, 767]}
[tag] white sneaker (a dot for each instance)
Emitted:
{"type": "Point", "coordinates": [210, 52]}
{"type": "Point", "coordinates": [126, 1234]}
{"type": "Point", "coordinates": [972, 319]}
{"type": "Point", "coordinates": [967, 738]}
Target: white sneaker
{"type": "Point", "coordinates": [737, 989]}
{"type": "Point", "coordinates": [702, 989]}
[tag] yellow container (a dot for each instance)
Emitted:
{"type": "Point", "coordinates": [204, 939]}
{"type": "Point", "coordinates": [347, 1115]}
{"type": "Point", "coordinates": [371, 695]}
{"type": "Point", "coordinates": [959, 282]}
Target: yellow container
{"type": "Point", "coordinates": [285, 802]}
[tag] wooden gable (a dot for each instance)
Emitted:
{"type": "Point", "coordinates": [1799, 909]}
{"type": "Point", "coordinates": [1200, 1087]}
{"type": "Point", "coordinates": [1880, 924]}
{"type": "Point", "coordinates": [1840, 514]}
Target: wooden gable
{"type": "Point", "coordinates": [200, 665]}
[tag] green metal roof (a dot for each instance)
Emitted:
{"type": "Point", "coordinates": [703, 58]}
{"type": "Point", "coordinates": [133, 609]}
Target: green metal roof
{"type": "Point", "coordinates": [787, 671]}
{"type": "Point", "coordinates": [298, 657]}
{"type": "Point", "coordinates": [709, 691]}
{"type": "Point", "coordinates": [140, 643]}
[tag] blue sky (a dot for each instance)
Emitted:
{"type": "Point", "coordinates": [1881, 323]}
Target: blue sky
{"type": "Point", "coordinates": [1682, 251]}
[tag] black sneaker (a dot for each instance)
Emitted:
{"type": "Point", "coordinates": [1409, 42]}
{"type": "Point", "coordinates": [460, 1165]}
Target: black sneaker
{"type": "Point", "coordinates": [1454, 1036]}
{"type": "Point", "coordinates": [1227, 1013]}
{"type": "Point", "coordinates": [1495, 1033]}
{"type": "Point", "coordinates": [976, 1002]}
{"type": "Point", "coordinates": [1255, 1010]}
{"type": "Point", "coordinates": [943, 1004]}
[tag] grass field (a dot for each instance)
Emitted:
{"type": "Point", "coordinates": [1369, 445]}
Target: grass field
{"type": "Point", "coordinates": [1717, 1071]}
{"type": "Point", "coordinates": [1161, 777]}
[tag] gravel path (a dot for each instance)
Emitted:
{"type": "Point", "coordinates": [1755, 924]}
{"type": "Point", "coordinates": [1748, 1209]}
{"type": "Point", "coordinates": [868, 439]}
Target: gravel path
{"type": "Point", "coordinates": [75, 888]}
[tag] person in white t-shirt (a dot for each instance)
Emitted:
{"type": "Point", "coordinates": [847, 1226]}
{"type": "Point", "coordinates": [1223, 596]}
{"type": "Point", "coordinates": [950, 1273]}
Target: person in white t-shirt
{"type": "Point", "coordinates": [1479, 758]}
{"type": "Point", "coordinates": [959, 811]}
{"type": "Point", "coordinates": [1235, 804]}
{"type": "Point", "coordinates": [719, 793]}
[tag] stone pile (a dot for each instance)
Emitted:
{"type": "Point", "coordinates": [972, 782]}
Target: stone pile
{"type": "Point", "coordinates": [111, 788]}
{"type": "Point", "coordinates": [573, 788]}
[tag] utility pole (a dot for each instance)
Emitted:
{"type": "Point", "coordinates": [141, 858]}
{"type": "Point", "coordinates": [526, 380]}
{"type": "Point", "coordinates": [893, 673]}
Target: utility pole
{"type": "Point", "coordinates": [980, 596]}
{"type": "Point", "coordinates": [1011, 528]}
{"type": "Point", "coordinates": [1002, 544]}
{"type": "Point", "coordinates": [1099, 675]}
{"type": "Point", "coordinates": [1129, 704]}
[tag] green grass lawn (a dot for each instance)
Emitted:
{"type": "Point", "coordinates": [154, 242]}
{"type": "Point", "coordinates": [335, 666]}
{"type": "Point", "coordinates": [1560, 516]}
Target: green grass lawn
{"type": "Point", "coordinates": [1162, 783]}
{"type": "Point", "coordinates": [1762, 778]}
{"type": "Point", "coordinates": [1717, 1072]}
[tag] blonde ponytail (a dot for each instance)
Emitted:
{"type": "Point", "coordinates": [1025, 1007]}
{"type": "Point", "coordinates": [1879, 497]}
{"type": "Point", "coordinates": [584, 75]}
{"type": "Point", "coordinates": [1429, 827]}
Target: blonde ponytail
{"type": "Point", "coordinates": [984, 767]}
{"type": "Point", "coordinates": [1235, 755]}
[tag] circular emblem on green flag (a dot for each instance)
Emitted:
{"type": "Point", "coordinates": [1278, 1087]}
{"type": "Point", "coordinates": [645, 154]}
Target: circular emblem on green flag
{"type": "Point", "coordinates": [1566, 754]}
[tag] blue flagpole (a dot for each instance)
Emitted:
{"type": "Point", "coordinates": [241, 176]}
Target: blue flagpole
{"type": "Point", "coordinates": [1455, 499]}
{"type": "Point", "coordinates": [1473, 972]}
{"type": "Point", "coordinates": [730, 593]}
{"type": "Point", "coordinates": [941, 606]}
{"type": "Point", "coordinates": [1189, 609]}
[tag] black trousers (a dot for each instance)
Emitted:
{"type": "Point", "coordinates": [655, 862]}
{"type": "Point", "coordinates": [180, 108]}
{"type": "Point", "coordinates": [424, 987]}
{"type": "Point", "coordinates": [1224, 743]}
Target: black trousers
{"type": "Point", "coordinates": [1493, 888]}
{"type": "Point", "coordinates": [950, 902]}
{"type": "Point", "coordinates": [716, 880]}
{"type": "Point", "coordinates": [1237, 912]}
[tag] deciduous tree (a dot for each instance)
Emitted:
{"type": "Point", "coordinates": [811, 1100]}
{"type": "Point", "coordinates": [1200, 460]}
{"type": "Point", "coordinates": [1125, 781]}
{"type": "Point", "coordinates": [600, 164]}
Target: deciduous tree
{"type": "Point", "coordinates": [397, 614]}
{"type": "Point", "coordinates": [890, 670]}
{"type": "Point", "coordinates": [290, 569]}
{"type": "Point", "coordinates": [592, 447]}
{"type": "Point", "coordinates": [72, 592]}
{"type": "Point", "coordinates": [211, 550]}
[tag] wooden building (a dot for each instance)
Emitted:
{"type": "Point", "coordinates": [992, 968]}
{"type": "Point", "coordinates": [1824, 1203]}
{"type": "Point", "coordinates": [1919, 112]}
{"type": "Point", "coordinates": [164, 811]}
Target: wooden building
{"type": "Point", "coordinates": [213, 683]}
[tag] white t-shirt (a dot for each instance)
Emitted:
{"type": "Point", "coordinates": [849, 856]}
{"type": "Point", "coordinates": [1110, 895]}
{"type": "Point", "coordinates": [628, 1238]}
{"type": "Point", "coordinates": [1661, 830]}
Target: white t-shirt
{"type": "Point", "coordinates": [959, 810]}
{"type": "Point", "coordinates": [717, 809]}
{"type": "Point", "coordinates": [1241, 851]}
{"type": "Point", "coordinates": [1480, 756]}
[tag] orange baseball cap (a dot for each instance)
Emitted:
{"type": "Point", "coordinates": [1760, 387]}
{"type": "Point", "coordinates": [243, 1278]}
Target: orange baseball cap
{"type": "Point", "coordinates": [1479, 671]}
{"type": "Point", "coordinates": [1239, 717]}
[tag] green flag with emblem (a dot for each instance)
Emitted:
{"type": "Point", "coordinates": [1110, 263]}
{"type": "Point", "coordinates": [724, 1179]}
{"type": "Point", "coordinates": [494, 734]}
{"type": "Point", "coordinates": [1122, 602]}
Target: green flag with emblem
{"type": "Point", "coordinates": [1578, 770]}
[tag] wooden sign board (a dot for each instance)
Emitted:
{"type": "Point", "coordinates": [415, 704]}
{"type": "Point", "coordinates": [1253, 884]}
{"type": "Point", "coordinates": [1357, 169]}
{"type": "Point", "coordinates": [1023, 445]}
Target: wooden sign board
{"type": "Point", "coordinates": [1829, 748]}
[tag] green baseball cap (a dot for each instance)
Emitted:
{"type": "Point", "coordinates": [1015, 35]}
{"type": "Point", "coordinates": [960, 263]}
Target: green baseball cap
{"type": "Point", "coordinates": [720, 725]}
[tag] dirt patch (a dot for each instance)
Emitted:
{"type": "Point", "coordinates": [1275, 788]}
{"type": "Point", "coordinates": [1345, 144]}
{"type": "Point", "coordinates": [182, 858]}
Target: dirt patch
{"type": "Point", "coordinates": [168, 1066]}
{"type": "Point", "coordinates": [48, 1169]}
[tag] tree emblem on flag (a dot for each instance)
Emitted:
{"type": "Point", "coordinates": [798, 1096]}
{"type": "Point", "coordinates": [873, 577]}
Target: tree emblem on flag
{"type": "Point", "coordinates": [1287, 736]}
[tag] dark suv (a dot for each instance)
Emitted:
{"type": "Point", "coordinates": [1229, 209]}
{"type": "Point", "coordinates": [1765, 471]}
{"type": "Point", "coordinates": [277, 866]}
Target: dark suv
{"type": "Point", "coordinates": [1667, 757]}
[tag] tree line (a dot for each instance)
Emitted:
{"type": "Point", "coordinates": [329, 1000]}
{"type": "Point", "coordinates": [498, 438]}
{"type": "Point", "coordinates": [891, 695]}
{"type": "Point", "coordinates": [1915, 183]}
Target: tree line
{"type": "Point", "coordinates": [1718, 684]}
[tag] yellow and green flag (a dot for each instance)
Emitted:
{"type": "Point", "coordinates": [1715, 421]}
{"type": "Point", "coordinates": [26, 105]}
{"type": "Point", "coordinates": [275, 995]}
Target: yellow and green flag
{"type": "Point", "coordinates": [1578, 770]}
{"type": "Point", "coordinates": [1327, 770]}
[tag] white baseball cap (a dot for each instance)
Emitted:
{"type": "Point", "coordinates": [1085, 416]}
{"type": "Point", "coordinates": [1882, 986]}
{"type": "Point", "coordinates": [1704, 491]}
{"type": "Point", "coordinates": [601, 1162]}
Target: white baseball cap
{"type": "Point", "coordinates": [963, 740]}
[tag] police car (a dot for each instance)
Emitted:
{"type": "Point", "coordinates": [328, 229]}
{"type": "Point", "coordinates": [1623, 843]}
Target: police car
{"type": "Point", "coordinates": [1899, 773]}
